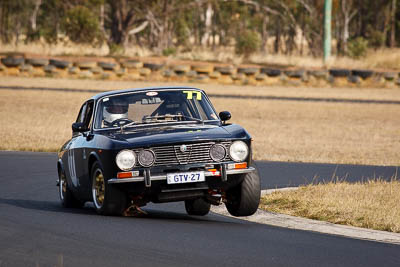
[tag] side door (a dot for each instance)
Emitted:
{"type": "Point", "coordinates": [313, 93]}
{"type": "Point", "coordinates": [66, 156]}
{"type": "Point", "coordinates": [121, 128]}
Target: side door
{"type": "Point", "coordinates": [83, 146]}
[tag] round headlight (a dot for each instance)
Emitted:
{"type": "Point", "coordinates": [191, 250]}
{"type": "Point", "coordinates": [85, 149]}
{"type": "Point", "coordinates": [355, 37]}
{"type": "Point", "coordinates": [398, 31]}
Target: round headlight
{"type": "Point", "coordinates": [217, 152]}
{"type": "Point", "coordinates": [238, 151]}
{"type": "Point", "coordinates": [126, 160]}
{"type": "Point", "coordinates": [146, 158]}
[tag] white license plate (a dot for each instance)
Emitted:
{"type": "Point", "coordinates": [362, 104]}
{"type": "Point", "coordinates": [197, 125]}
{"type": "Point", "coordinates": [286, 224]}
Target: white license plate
{"type": "Point", "coordinates": [185, 177]}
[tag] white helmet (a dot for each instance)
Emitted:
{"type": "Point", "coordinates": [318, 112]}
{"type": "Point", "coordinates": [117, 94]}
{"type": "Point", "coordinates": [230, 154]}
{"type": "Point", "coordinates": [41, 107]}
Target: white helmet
{"type": "Point", "coordinates": [115, 109]}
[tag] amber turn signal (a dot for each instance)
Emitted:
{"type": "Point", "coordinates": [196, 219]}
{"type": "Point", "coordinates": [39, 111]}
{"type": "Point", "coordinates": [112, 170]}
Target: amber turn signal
{"type": "Point", "coordinates": [242, 165]}
{"type": "Point", "coordinates": [124, 175]}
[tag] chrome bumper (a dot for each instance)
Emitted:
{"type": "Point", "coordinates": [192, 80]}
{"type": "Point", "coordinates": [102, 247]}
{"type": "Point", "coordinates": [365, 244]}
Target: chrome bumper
{"type": "Point", "coordinates": [164, 177]}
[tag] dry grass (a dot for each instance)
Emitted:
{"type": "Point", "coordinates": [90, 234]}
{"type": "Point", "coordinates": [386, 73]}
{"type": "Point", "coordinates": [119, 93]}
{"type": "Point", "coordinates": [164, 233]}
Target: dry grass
{"type": "Point", "coordinates": [66, 47]}
{"type": "Point", "coordinates": [319, 132]}
{"type": "Point", "coordinates": [374, 205]}
{"type": "Point", "coordinates": [37, 120]}
{"type": "Point", "coordinates": [282, 130]}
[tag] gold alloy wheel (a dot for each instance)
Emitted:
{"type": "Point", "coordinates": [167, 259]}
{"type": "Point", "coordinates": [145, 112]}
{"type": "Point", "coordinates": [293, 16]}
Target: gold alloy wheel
{"type": "Point", "coordinates": [99, 188]}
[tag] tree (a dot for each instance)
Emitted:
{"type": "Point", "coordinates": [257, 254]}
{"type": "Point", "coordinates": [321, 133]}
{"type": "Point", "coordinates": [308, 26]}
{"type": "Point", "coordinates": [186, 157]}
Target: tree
{"type": "Point", "coordinates": [81, 25]}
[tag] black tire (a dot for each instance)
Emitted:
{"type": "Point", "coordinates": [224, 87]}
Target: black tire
{"type": "Point", "coordinates": [339, 72]}
{"type": "Point", "coordinates": [61, 64]}
{"type": "Point", "coordinates": [390, 76]}
{"type": "Point", "coordinates": [197, 207]}
{"type": "Point", "coordinates": [271, 72]}
{"type": "Point", "coordinates": [132, 64]}
{"type": "Point", "coordinates": [37, 62]}
{"type": "Point", "coordinates": [294, 73]}
{"type": "Point", "coordinates": [364, 74]}
{"type": "Point", "coordinates": [225, 70]}
{"type": "Point", "coordinates": [107, 65]}
{"type": "Point", "coordinates": [153, 66]}
{"type": "Point", "coordinates": [67, 198]}
{"type": "Point", "coordinates": [248, 71]}
{"type": "Point", "coordinates": [244, 198]}
{"type": "Point", "coordinates": [85, 65]}
{"type": "Point", "coordinates": [114, 201]}
{"type": "Point", "coordinates": [12, 61]}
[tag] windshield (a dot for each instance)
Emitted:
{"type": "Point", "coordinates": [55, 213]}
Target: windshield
{"type": "Point", "coordinates": [153, 107]}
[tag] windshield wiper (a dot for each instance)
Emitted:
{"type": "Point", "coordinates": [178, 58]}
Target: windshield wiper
{"type": "Point", "coordinates": [192, 119]}
{"type": "Point", "coordinates": [128, 124]}
{"type": "Point", "coordinates": [170, 117]}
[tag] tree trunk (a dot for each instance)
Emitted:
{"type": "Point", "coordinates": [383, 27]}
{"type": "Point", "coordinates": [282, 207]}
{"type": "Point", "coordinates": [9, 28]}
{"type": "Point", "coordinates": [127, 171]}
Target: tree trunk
{"type": "Point", "coordinates": [393, 24]}
{"type": "Point", "coordinates": [34, 15]}
{"type": "Point", "coordinates": [163, 37]}
{"type": "Point", "coordinates": [348, 15]}
{"type": "Point", "coordinates": [264, 44]}
{"type": "Point", "coordinates": [116, 21]}
{"type": "Point", "coordinates": [205, 40]}
{"type": "Point", "coordinates": [277, 42]}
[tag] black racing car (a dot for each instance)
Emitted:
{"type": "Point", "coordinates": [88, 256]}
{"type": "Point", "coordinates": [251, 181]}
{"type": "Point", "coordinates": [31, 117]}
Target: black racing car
{"type": "Point", "coordinates": [166, 144]}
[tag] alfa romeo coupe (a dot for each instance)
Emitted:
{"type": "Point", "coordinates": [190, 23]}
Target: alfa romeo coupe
{"type": "Point", "coordinates": [132, 147]}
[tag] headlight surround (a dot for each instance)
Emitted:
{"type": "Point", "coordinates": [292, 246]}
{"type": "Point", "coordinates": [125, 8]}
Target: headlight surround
{"type": "Point", "coordinates": [146, 158]}
{"type": "Point", "coordinates": [239, 151]}
{"type": "Point", "coordinates": [125, 160]}
{"type": "Point", "coordinates": [217, 152]}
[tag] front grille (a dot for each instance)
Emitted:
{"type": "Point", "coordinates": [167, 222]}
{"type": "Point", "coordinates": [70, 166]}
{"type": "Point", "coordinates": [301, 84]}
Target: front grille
{"type": "Point", "coordinates": [195, 153]}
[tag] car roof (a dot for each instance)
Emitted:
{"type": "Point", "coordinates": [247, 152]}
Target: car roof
{"type": "Point", "coordinates": [132, 90]}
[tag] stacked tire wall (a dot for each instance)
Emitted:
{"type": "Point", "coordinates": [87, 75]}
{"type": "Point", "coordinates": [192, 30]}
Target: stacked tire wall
{"type": "Point", "coordinates": [198, 72]}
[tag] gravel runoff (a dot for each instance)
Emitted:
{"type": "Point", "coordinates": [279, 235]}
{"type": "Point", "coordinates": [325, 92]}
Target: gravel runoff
{"type": "Point", "coordinates": [298, 223]}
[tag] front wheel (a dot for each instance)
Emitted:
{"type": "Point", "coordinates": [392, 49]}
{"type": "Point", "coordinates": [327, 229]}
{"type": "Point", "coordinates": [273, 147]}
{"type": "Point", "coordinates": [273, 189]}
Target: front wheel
{"type": "Point", "coordinates": [107, 199]}
{"type": "Point", "coordinates": [197, 207]}
{"type": "Point", "coordinates": [244, 198]}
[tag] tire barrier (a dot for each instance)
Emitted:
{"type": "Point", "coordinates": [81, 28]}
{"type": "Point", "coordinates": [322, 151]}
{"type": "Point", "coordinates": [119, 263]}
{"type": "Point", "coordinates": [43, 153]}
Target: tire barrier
{"type": "Point", "coordinates": [271, 72]}
{"type": "Point", "coordinates": [37, 62]}
{"type": "Point", "coordinates": [318, 74]}
{"type": "Point", "coordinates": [132, 64]}
{"type": "Point", "coordinates": [85, 65]}
{"type": "Point", "coordinates": [225, 70]}
{"type": "Point", "coordinates": [364, 74]}
{"type": "Point", "coordinates": [339, 73]}
{"type": "Point", "coordinates": [248, 71]}
{"type": "Point", "coordinates": [390, 76]}
{"type": "Point", "coordinates": [107, 65]}
{"type": "Point", "coordinates": [153, 66]}
{"type": "Point", "coordinates": [61, 64]}
{"type": "Point", "coordinates": [12, 62]}
{"type": "Point", "coordinates": [203, 68]}
{"type": "Point", "coordinates": [295, 73]}
{"type": "Point", "coordinates": [200, 72]}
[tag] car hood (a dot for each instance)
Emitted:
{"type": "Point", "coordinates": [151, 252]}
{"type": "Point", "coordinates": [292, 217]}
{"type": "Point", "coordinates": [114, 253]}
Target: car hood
{"type": "Point", "coordinates": [154, 136]}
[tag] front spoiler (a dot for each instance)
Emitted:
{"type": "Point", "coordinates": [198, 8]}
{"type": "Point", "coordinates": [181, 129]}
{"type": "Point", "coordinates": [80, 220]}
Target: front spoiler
{"type": "Point", "coordinates": [148, 178]}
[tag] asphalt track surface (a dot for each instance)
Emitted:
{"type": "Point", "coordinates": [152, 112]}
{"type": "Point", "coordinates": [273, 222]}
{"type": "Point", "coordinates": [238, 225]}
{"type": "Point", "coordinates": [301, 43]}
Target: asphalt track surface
{"type": "Point", "coordinates": [36, 231]}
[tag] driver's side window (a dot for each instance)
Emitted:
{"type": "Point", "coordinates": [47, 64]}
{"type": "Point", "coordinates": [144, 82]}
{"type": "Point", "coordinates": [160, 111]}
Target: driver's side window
{"type": "Point", "coordinates": [81, 115]}
{"type": "Point", "coordinates": [85, 114]}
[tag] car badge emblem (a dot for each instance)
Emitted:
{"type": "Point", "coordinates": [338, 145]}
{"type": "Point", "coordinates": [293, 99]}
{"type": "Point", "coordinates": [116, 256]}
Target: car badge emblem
{"type": "Point", "coordinates": [183, 148]}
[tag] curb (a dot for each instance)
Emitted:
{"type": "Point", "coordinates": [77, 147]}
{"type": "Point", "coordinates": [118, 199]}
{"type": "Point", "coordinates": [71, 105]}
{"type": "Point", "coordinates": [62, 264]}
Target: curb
{"type": "Point", "coordinates": [297, 223]}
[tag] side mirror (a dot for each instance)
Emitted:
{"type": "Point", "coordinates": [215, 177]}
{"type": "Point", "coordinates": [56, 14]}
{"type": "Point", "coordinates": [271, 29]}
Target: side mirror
{"type": "Point", "coordinates": [225, 116]}
{"type": "Point", "coordinates": [79, 127]}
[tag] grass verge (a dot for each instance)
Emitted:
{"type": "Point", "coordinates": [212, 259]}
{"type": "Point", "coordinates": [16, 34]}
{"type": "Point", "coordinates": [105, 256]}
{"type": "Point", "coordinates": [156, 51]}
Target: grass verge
{"type": "Point", "coordinates": [374, 204]}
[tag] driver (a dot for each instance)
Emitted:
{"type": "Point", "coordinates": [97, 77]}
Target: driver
{"type": "Point", "coordinates": [114, 109]}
